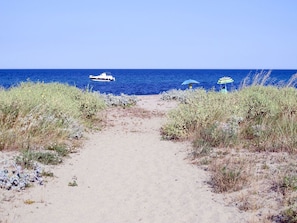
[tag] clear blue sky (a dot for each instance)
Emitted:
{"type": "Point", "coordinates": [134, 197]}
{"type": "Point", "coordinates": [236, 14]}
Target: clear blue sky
{"type": "Point", "coordinates": [210, 34]}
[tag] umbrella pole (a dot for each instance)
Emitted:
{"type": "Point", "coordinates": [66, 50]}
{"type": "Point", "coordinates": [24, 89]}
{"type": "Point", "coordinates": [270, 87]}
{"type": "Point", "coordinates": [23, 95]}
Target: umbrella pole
{"type": "Point", "coordinates": [224, 88]}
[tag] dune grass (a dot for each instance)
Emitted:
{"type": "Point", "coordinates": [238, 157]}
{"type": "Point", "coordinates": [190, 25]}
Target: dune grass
{"type": "Point", "coordinates": [247, 139]}
{"type": "Point", "coordinates": [43, 116]}
{"type": "Point", "coordinates": [259, 117]}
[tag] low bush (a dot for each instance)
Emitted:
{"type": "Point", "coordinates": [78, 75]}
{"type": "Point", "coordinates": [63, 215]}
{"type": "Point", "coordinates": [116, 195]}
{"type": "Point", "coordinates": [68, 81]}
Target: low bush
{"type": "Point", "coordinates": [260, 117]}
{"type": "Point", "coordinates": [38, 115]}
{"type": "Point", "coordinates": [121, 100]}
{"type": "Point", "coordinates": [178, 95]}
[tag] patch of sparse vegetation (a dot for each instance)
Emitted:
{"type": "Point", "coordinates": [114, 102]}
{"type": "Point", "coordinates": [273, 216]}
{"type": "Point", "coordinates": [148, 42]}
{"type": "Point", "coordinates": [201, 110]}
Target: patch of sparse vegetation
{"type": "Point", "coordinates": [247, 140]}
{"type": "Point", "coordinates": [230, 174]}
{"type": "Point", "coordinates": [73, 184]}
{"type": "Point", "coordinates": [121, 100]}
{"type": "Point", "coordinates": [177, 95]}
{"type": "Point", "coordinates": [28, 201]}
{"type": "Point", "coordinates": [47, 174]}
{"type": "Point", "coordinates": [61, 150]}
{"type": "Point", "coordinates": [28, 158]}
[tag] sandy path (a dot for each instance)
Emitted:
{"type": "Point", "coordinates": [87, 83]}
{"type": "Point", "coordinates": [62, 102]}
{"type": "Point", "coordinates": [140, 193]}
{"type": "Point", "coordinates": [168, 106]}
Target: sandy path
{"type": "Point", "coordinates": [125, 173]}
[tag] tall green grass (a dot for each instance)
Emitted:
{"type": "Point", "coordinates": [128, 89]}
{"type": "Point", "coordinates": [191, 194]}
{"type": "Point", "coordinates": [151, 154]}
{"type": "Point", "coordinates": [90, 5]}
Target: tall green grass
{"type": "Point", "coordinates": [39, 115]}
{"type": "Point", "coordinates": [258, 117]}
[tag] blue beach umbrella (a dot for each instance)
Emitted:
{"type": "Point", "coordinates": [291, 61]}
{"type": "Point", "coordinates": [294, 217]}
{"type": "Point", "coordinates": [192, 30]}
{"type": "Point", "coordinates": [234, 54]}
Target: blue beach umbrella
{"type": "Point", "coordinates": [190, 82]}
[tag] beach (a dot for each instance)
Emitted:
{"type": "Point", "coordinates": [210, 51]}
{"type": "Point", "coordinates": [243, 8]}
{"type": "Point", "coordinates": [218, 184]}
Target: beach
{"type": "Point", "coordinates": [124, 173]}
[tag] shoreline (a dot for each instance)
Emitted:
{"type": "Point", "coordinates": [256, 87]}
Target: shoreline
{"type": "Point", "coordinates": [135, 81]}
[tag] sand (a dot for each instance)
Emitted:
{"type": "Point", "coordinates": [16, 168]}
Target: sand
{"type": "Point", "coordinates": [124, 173]}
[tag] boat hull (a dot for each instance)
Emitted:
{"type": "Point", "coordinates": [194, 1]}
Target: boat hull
{"type": "Point", "coordinates": [104, 77]}
{"type": "Point", "coordinates": [101, 80]}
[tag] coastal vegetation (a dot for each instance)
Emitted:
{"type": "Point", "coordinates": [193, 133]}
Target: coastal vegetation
{"type": "Point", "coordinates": [247, 139]}
{"type": "Point", "coordinates": [43, 123]}
{"type": "Point", "coordinates": [122, 100]}
{"type": "Point", "coordinates": [39, 116]}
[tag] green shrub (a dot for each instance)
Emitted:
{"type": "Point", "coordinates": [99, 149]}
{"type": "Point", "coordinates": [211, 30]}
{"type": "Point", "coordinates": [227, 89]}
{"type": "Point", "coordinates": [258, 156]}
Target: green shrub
{"type": "Point", "coordinates": [36, 115]}
{"type": "Point", "coordinates": [263, 118]}
{"type": "Point", "coordinates": [202, 113]}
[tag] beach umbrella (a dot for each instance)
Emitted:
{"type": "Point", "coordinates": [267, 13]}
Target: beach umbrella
{"type": "Point", "coordinates": [224, 81]}
{"type": "Point", "coordinates": [190, 82]}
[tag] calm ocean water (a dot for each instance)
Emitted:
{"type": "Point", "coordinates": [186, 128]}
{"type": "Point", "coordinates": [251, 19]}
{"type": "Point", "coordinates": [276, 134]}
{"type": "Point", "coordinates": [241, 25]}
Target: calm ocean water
{"type": "Point", "coordinates": [134, 81]}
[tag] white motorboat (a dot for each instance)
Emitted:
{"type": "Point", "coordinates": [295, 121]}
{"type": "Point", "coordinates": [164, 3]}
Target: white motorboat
{"type": "Point", "coordinates": [105, 76]}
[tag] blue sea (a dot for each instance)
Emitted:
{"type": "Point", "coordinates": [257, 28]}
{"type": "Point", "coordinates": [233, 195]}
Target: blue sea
{"type": "Point", "coordinates": [135, 81]}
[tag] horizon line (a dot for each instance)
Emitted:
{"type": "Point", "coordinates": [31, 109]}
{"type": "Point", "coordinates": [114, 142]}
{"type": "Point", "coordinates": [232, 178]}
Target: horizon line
{"type": "Point", "coordinates": [148, 68]}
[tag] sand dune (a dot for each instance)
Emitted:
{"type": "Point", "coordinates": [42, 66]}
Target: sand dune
{"type": "Point", "coordinates": [125, 173]}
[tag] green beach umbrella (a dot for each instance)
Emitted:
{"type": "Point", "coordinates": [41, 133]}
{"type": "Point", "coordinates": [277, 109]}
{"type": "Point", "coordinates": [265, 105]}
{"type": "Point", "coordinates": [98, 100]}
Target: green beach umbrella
{"type": "Point", "coordinates": [225, 80]}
